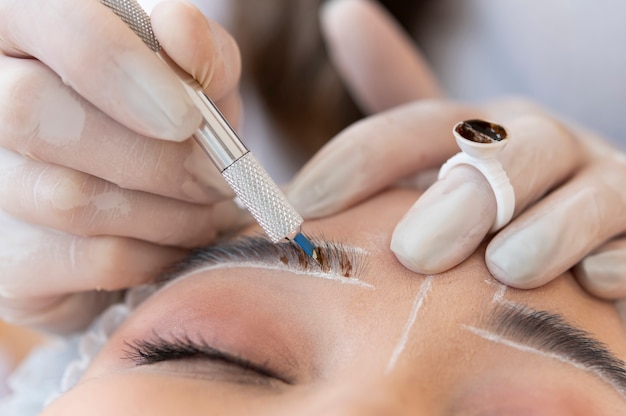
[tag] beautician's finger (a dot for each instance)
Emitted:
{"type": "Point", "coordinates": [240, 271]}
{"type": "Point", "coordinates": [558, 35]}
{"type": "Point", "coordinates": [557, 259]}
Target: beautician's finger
{"type": "Point", "coordinates": [375, 153]}
{"type": "Point", "coordinates": [365, 43]}
{"type": "Point", "coordinates": [44, 119]}
{"type": "Point", "coordinates": [603, 272]}
{"type": "Point", "coordinates": [540, 155]}
{"type": "Point", "coordinates": [92, 50]}
{"type": "Point", "coordinates": [377, 60]}
{"type": "Point", "coordinates": [62, 314]}
{"type": "Point", "coordinates": [58, 282]}
{"type": "Point", "coordinates": [39, 262]}
{"type": "Point", "coordinates": [77, 203]}
{"type": "Point", "coordinates": [581, 215]}
{"type": "Point", "coordinates": [203, 48]}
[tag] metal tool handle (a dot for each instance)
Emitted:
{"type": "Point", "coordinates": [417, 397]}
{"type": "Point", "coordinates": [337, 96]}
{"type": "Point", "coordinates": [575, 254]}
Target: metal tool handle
{"type": "Point", "coordinates": [245, 175]}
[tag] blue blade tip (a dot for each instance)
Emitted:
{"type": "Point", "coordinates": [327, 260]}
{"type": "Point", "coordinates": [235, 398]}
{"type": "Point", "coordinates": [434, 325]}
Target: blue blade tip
{"type": "Point", "coordinates": [305, 245]}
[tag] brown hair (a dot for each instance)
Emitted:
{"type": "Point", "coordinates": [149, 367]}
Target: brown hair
{"type": "Point", "coordinates": [284, 56]}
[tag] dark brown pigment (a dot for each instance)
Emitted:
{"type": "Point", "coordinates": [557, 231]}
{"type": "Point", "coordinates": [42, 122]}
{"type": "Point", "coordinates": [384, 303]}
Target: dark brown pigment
{"type": "Point", "coordinates": [481, 131]}
{"type": "Point", "coordinates": [323, 261]}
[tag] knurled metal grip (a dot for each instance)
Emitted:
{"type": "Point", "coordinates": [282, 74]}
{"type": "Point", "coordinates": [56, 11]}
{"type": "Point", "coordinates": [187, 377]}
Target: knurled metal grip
{"type": "Point", "coordinates": [263, 198]}
{"type": "Point", "coordinates": [135, 18]}
{"type": "Point", "coordinates": [245, 175]}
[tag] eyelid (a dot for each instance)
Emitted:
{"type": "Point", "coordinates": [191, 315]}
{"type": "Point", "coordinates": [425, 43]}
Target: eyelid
{"type": "Point", "coordinates": [144, 352]}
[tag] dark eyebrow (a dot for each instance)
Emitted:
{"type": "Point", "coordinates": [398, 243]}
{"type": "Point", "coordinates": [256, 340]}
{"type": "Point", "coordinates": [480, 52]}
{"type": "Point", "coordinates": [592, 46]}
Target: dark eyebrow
{"type": "Point", "coordinates": [334, 257]}
{"type": "Point", "coordinates": [550, 333]}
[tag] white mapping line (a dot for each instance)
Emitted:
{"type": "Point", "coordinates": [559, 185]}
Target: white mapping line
{"type": "Point", "coordinates": [417, 305]}
{"type": "Point", "coordinates": [498, 296]}
{"type": "Point", "coordinates": [357, 250]}
{"type": "Point", "coordinates": [281, 267]}
{"type": "Point", "coordinates": [490, 336]}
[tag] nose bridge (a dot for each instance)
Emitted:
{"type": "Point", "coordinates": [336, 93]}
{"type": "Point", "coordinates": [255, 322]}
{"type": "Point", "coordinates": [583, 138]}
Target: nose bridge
{"type": "Point", "coordinates": [364, 403]}
{"type": "Point", "coordinates": [372, 399]}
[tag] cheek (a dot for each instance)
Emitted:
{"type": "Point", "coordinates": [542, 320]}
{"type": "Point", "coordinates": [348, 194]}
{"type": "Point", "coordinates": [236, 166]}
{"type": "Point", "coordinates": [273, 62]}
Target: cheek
{"type": "Point", "coordinates": [136, 394]}
{"type": "Point", "coordinates": [538, 395]}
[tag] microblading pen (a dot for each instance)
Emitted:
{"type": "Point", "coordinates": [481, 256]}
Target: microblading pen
{"type": "Point", "coordinates": [243, 173]}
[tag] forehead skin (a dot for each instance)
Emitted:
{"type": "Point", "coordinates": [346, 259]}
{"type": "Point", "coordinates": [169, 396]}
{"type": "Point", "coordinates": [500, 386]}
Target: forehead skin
{"type": "Point", "coordinates": [355, 350]}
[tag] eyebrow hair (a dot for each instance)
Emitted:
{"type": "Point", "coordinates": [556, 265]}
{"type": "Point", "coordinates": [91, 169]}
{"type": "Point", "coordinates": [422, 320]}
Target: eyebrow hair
{"type": "Point", "coordinates": [334, 258]}
{"type": "Point", "coordinates": [522, 326]}
{"type": "Point", "coordinates": [551, 334]}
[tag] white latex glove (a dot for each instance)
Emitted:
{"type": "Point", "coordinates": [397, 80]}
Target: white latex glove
{"type": "Point", "coordinates": [99, 186]}
{"type": "Point", "coordinates": [570, 197]}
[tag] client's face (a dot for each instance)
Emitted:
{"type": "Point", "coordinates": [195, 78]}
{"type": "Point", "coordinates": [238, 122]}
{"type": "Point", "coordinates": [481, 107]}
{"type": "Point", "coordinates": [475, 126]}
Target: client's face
{"type": "Point", "coordinates": [256, 329]}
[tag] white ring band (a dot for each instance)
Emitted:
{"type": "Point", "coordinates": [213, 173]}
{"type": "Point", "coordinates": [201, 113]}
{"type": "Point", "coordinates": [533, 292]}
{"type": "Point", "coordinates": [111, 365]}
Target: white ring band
{"type": "Point", "coordinates": [482, 156]}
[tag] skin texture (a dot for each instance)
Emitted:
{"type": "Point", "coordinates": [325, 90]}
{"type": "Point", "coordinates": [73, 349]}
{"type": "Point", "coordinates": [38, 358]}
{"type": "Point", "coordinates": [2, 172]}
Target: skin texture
{"type": "Point", "coordinates": [571, 167]}
{"type": "Point", "coordinates": [93, 201]}
{"type": "Point", "coordinates": [402, 346]}
{"type": "Point", "coordinates": [95, 157]}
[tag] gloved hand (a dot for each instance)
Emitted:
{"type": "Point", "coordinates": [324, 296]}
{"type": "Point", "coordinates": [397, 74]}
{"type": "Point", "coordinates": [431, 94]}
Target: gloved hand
{"type": "Point", "coordinates": [570, 198]}
{"type": "Point", "coordinates": [99, 186]}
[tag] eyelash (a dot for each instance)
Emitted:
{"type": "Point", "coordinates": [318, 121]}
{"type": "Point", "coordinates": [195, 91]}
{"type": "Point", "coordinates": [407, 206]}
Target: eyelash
{"type": "Point", "coordinates": [159, 349]}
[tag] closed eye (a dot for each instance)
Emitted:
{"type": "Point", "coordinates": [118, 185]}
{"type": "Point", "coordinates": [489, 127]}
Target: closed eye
{"type": "Point", "coordinates": [159, 350]}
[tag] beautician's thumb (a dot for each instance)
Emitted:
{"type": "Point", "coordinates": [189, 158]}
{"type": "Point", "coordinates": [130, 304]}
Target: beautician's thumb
{"type": "Point", "coordinates": [202, 48]}
{"type": "Point", "coordinates": [104, 61]}
{"type": "Point", "coordinates": [446, 224]}
{"type": "Point", "coordinates": [376, 59]}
